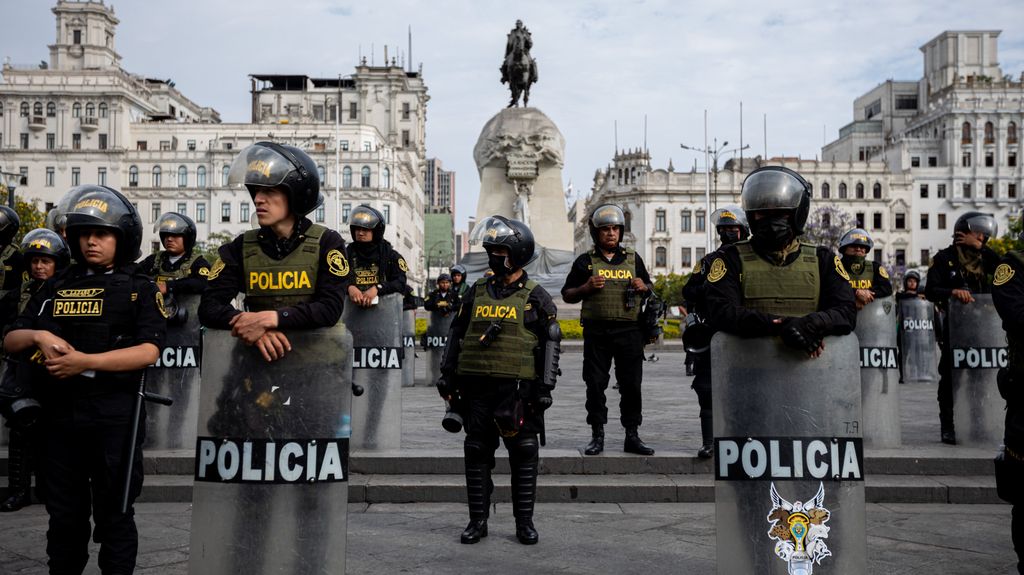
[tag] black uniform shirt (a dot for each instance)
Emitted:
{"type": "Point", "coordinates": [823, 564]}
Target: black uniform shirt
{"type": "Point", "coordinates": [945, 275]}
{"type": "Point", "coordinates": [536, 319]}
{"type": "Point", "coordinates": [581, 271]}
{"type": "Point", "coordinates": [393, 269]}
{"type": "Point", "coordinates": [695, 290]}
{"type": "Point", "coordinates": [725, 298]}
{"type": "Point", "coordinates": [881, 285]}
{"type": "Point", "coordinates": [13, 268]}
{"type": "Point", "coordinates": [227, 279]}
{"type": "Point", "coordinates": [1008, 295]}
{"type": "Point", "coordinates": [194, 283]}
{"type": "Point", "coordinates": [435, 297]}
{"type": "Point", "coordinates": [907, 295]}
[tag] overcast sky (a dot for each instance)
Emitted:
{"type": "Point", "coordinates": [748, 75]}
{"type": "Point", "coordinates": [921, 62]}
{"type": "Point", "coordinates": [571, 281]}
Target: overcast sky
{"type": "Point", "coordinates": [801, 62]}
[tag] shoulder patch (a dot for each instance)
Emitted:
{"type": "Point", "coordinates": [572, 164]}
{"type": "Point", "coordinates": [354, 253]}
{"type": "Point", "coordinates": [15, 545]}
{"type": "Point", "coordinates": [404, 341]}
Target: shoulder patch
{"type": "Point", "coordinates": [336, 263]}
{"type": "Point", "coordinates": [402, 265]}
{"type": "Point", "coordinates": [204, 271]}
{"type": "Point", "coordinates": [883, 272]}
{"type": "Point", "coordinates": [1004, 273]}
{"type": "Point", "coordinates": [696, 269]}
{"type": "Point", "coordinates": [160, 305]}
{"type": "Point", "coordinates": [218, 266]}
{"type": "Point", "coordinates": [841, 270]}
{"type": "Point", "coordinates": [717, 270]}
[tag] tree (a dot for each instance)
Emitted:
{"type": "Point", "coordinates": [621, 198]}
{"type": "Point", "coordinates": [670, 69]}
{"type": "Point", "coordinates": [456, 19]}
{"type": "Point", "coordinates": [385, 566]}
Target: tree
{"type": "Point", "coordinates": [670, 287]}
{"type": "Point", "coordinates": [31, 218]}
{"type": "Point", "coordinates": [209, 248]}
{"type": "Point", "coordinates": [1009, 240]}
{"type": "Point", "coordinates": [826, 226]}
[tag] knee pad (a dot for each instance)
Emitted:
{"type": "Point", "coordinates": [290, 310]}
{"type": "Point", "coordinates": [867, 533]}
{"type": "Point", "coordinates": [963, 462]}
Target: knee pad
{"type": "Point", "coordinates": [477, 451]}
{"type": "Point", "coordinates": [522, 448]}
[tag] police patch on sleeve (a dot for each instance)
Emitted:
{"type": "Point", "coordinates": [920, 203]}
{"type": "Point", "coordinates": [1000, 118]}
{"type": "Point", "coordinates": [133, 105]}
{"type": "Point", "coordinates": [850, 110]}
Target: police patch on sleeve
{"type": "Point", "coordinates": [717, 270]}
{"type": "Point", "coordinates": [402, 265]}
{"type": "Point", "coordinates": [883, 272]}
{"type": "Point", "coordinates": [218, 266]}
{"type": "Point", "coordinates": [696, 269]}
{"type": "Point", "coordinates": [1004, 273]}
{"type": "Point", "coordinates": [204, 271]}
{"type": "Point", "coordinates": [841, 270]}
{"type": "Point", "coordinates": [160, 305]}
{"type": "Point", "coordinates": [336, 263]}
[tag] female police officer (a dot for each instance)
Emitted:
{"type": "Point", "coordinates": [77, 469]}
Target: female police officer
{"type": "Point", "coordinates": [99, 324]}
{"type": "Point", "coordinates": [501, 360]}
{"type": "Point", "coordinates": [293, 272]}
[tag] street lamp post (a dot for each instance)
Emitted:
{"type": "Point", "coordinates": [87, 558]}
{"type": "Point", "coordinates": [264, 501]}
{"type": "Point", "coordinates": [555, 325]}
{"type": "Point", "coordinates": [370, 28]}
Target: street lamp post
{"type": "Point", "coordinates": [713, 152]}
{"type": "Point", "coordinates": [11, 182]}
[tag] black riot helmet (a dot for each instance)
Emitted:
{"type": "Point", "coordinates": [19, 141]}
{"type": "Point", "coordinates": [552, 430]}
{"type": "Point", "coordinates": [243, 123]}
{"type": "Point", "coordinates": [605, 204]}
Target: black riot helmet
{"type": "Point", "coordinates": [175, 224]}
{"type": "Point", "coordinates": [856, 237]}
{"type": "Point", "coordinates": [9, 224]}
{"type": "Point", "coordinates": [443, 278]}
{"type": "Point", "coordinates": [368, 218]}
{"type": "Point", "coordinates": [103, 207]}
{"type": "Point", "coordinates": [272, 165]}
{"type": "Point", "coordinates": [458, 269]}
{"type": "Point", "coordinates": [57, 219]}
{"type": "Point", "coordinates": [607, 215]}
{"type": "Point", "coordinates": [777, 188]}
{"type": "Point", "coordinates": [728, 216]}
{"type": "Point", "coordinates": [44, 242]}
{"type": "Point", "coordinates": [912, 274]}
{"type": "Point", "coordinates": [501, 231]}
{"type": "Point", "coordinates": [977, 222]}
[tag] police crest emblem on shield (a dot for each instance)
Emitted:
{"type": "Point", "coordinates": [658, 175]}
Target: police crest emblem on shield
{"type": "Point", "coordinates": [799, 530]}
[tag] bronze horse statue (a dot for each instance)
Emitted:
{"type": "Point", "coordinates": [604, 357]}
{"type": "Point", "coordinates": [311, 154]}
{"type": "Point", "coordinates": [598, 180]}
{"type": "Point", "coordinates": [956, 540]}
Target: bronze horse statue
{"type": "Point", "coordinates": [519, 69]}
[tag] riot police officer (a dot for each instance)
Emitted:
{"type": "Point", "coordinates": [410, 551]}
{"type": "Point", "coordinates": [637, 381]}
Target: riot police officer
{"type": "Point", "coordinates": [98, 325]}
{"type": "Point", "coordinates": [11, 262]}
{"type": "Point", "coordinates": [293, 272]}
{"type": "Point", "coordinates": [731, 224]}
{"type": "Point", "coordinates": [911, 280]}
{"type": "Point", "coordinates": [177, 269]}
{"type": "Point", "coordinates": [443, 299]}
{"type": "Point", "coordinates": [772, 284]}
{"type": "Point", "coordinates": [1008, 297]}
{"type": "Point", "coordinates": [610, 280]}
{"type": "Point", "coordinates": [869, 280]}
{"type": "Point", "coordinates": [500, 364]}
{"type": "Point", "coordinates": [45, 254]}
{"type": "Point", "coordinates": [458, 273]}
{"type": "Point", "coordinates": [377, 269]}
{"type": "Point", "coordinates": [963, 268]}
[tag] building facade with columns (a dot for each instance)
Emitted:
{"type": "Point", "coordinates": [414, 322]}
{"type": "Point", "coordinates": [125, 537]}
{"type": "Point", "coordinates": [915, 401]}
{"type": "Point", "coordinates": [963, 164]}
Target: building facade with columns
{"type": "Point", "coordinates": [81, 118]}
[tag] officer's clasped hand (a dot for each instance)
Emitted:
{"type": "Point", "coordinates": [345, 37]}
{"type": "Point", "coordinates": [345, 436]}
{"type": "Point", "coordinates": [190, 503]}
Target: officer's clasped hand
{"type": "Point", "coordinates": [802, 333]}
{"type": "Point", "coordinates": [543, 397]}
{"type": "Point", "coordinates": [444, 388]}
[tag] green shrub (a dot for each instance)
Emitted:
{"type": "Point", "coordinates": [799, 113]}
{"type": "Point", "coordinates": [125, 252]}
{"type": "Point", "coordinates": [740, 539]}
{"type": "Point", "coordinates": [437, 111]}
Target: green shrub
{"type": "Point", "coordinates": [421, 327]}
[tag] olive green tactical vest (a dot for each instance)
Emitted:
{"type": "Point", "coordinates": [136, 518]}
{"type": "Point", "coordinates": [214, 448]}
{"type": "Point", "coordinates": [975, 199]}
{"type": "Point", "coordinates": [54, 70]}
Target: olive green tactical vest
{"type": "Point", "coordinates": [5, 254]}
{"type": "Point", "coordinates": [609, 302]}
{"type": "Point", "coordinates": [865, 279]}
{"type": "Point", "coordinates": [790, 291]}
{"type": "Point", "coordinates": [364, 275]}
{"type": "Point", "coordinates": [27, 291]}
{"type": "Point", "coordinates": [183, 271]}
{"type": "Point", "coordinates": [1015, 345]}
{"type": "Point", "coordinates": [272, 284]}
{"type": "Point", "coordinates": [510, 354]}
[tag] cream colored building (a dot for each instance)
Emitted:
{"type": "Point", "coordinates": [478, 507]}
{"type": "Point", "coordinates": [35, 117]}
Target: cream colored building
{"type": "Point", "coordinates": [84, 119]}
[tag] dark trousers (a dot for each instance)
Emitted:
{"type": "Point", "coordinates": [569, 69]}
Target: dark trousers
{"type": "Point", "coordinates": [702, 386]}
{"type": "Point", "coordinates": [945, 393]}
{"type": "Point", "coordinates": [627, 350]}
{"type": "Point", "coordinates": [84, 472]}
{"type": "Point", "coordinates": [1017, 534]}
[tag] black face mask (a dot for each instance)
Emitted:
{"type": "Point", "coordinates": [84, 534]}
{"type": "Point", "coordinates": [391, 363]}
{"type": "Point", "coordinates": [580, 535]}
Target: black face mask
{"type": "Point", "coordinates": [854, 263]}
{"type": "Point", "coordinates": [497, 264]}
{"type": "Point", "coordinates": [729, 236]}
{"type": "Point", "coordinates": [772, 234]}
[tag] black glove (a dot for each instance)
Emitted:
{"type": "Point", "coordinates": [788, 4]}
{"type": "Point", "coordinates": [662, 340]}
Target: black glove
{"type": "Point", "coordinates": [803, 333]}
{"type": "Point", "coordinates": [445, 388]}
{"type": "Point", "coordinates": [543, 397]}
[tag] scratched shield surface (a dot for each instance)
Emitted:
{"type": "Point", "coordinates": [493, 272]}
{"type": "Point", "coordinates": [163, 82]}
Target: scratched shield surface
{"type": "Point", "coordinates": [436, 337]}
{"type": "Point", "coordinates": [377, 346]}
{"type": "Point", "coordinates": [879, 373]}
{"type": "Point", "coordinates": [978, 348]}
{"type": "Point", "coordinates": [766, 395]}
{"type": "Point", "coordinates": [409, 345]}
{"type": "Point", "coordinates": [918, 341]}
{"type": "Point", "coordinates": [264, 503]}
{"type": "Point", "coordinates": [176, 375]}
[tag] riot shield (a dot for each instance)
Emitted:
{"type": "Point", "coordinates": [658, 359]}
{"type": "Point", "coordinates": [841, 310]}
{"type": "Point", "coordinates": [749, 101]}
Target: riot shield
{"type": "Point", "coordinates": [918, 343]}
{"type": "Point", "coordinates": [176, 375]}
{"type": "Point", "coordinates": [377, 367]}
{"type": "Point", "coordinates": [434, 341]}
{"type": "Point", "coordinates": [271, 471]}
{"type": "Point", "coordinates": [409, 345]}
{"type": "Point", "coordinates": [977, 345]}
{"type": "Point", "coordinates": [789, 466]}
{"type": "Point", "coordinates": [879, 373]}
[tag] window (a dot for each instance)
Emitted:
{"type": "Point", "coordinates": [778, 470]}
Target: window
{"type": "Point", "coordinates": [165, 145]}
{"type": "Point", "coordinates": [49, 177]}
{"type": "Point", "coordinates": [51, 140]}
{"type": "Point", "coordinates": [926, 257]}
{"type": "Point", "coordinates": [924, 190]}
{"type": "Point", "coordinates": [1011, 159]}
{"type": "Point", "coordinates": [332, 113]}
{"type": "Point", "coordinates": [364, 177]}
{"type": "Point", "coordinates": [859, 218]}
{"type": "Point", "coordinates": [76, 110]}
{"type": "Point", "coordinates": [243, 211]}
{"type": "Point", "coordinates": [387, 215]}
{"type": "Point", "coordinates": [842, 190]}
{"type": "Point", "coordinates": [24, 141]}
{"type": "Point", "coordinates": [101, 176]}
{"type": "Point", "coordinates": [901, 257]}
{"type": "Point", "coordinates": [1011, 190]}
{"type": "Point", "coordinates": [629, 220]}
{"type": "Point", "coordinates": [686, 258]}
{"type": "Point", "coordinates": [346, 209]}
{"type": "Point", "coordinates": [191, 145]}
{"type": "Point", "coordinates": [701, 252]}
{"type": "Point", "coordinates": [876, 191]}
{"type": "Point", "coordinates": [990, 159]}
{"type": "Point", "coordinates": [201, 212]}
{"type": "Point", "coordinates": [37, 109]}
{"type": "Point", "coordinates": [989, 191]}
{"type": "Point", "coordinates": [1, 108]}
{"type": "Point", "coordinates": [659, 220]}
{"type": "Point", "coordinates": [182, 176]}
{"type": "Point", "coordinates": [405, 110]}
{"type": "Point", "coordinates": [965, 160]}
{"type": "Point", "coordinates": [826, 220]}
{"type": "Point", "coordinates": [346, 177]}
{"type": "Point", "coordinates": [141, 145]}
{"type": "Point", "coordinates": [90, 110]}
{"type": "Point", "coordinates": [826, 191]}
{"type": "Point", "coordinates": [385, 178]}
{"type": "Point", "coordinates": [229, 146]}
{"type": "Point", "coordinates": [924, 221]}
{"type": "Point", "coordinates": [367, 146]}
{"type": "Point", "coordinates": [103, 141]}
{"type": "Point", "coordinates": [24, 109]}
{"type": "Point", "coordinates": [344, 145]}
{"type": "Point", "coordinates": [876, 221]}
{"type": "Point", "coordinates": [932, 161]}
{"type": "Point", "coordinates": [322, 174]}
{"type": "Point", "coordinates": [406, 139]}
{"type": "Point", "coordinates": [76, 36]}
{"type": "Point", "coordinates": [901, 221]}
{"type": "Point", "coordinates": [76, 176]}
{"type": "Point", "coordinates": [225, 211]}
{"type": "Point", "coordinates": [700, 220]}
{"type": "Point", "coordinates": [76, 141]}
{"type": "Point", "coordinates": [154, 212]}
{"type": "Point", "coordinates": [967, 190]}
{"type": "Point", "coordinates": [321, 214]}
{"type": "Point", "coordinates": [133, 177]}
{"type": "Point", "coordinates": [1011, 132]}
{"type": "Point", "coordinates": [915, 162]}
{"type": "Point", "coordinates": [318, 112]}
{"type": "Point", "coordinates": [990, 133]}
{"type": "Point", "coordinates": [859, 191]}
{"type": "Point", "coordinates": [103, 109]}
{"type": "Point", "coordinates": [940, 191]}
{"type": "Point", "coordinates": [224, 171]}
{"type": "Point", "coordinates": [201, 177]}
{"type": "Point", "coordinates": [353, 111]}
{"type": "Point", "coordinates": [966, 136]}
{"type": "Point", "coordinates": [660, 257]}
{"type": "Point", "coordinates": [941, 223]}
{"type": "Point", "coordinates": [51, 110]}
{"type": "Point", "coordinates": [157, 176]}
{"type": "Point", "coordinates": [906, 102]}
{"type": "Point", "coordinates": [684, 218]}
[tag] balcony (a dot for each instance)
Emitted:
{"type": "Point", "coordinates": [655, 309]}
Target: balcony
{"type": "Point", "coordinates": [37, 123]}
{"type": "Point", "coordinates": [90, 123]}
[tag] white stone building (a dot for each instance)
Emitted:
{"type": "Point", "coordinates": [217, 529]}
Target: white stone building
{"type": "Point", "coordinates": [83, 119]}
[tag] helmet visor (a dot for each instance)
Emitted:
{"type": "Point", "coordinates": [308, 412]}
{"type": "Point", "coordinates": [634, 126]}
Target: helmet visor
{"type": "Point", "coordinates": [608, 215]}
{"type": "Point", "coordinates": [364, 217]}
{"type": "Point", "coordinates": [171, 223]}
{"type": "Point", "coordinates": [983, 223]}
{"type": "Point", "coordinates": [729, 216]}
{"type": "Point", "coordinates": [258, 166]}
{"type": "Point", "coordinates": [489, 230]}
{"type": "Point", "coordinates": [772, 190]}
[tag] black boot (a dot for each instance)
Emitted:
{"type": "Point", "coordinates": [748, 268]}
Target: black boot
{"type": "Point", "coordinates": [524, 461]}
{"type": "Point", "coordinates": [19, 471]}
{"type": "Point", "coordinates": [948, 431]}
{"type": "Point", "coordinates": [634, 444]}
{"type": "Point", "coordinates": [478, 494]}
{"type": "Point", "coordinates": [596, 444]}
{"type": "Point", "coordinates": [707, 435]}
